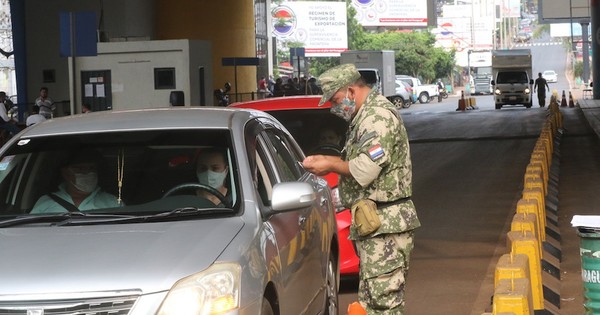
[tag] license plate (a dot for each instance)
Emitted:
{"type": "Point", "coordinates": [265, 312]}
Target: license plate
{"type": "Point", "coordinates": [512, 98]}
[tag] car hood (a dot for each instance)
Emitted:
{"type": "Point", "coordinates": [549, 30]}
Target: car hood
{"type": "Point", "coordinates": [149, 257]}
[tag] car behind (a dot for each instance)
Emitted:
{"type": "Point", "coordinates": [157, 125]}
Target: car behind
{"type": "Point", "coordinates": [305, 120]}
{"type": "Point", "coordinates": [550, 75]}
{"type": "Point", "coordinates": [270, 248]}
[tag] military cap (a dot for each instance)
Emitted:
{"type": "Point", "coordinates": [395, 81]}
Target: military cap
{"type": "Point", "coordinates": [336, 78]}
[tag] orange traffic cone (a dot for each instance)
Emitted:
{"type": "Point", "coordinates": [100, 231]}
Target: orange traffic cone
{"type": "Point", "coordinates": [462, 105]}
{"type": "Point", "coordinates": [356, 309]}
{"type": "Point", "coordinates": [571, 103]}
{"type": "Point", "coordinates": [563, 102]}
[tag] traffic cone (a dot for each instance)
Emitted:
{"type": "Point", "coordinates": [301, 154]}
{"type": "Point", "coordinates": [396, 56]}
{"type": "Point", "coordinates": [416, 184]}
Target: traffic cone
{"type": "Point", "coordinates": [461, 102]}
{"type": "Point", "coordinates": [571, 103]}
{"type": "Point", "coordinates": [563, 101]}
{"type": "Point", "coordinates": [356, 309]}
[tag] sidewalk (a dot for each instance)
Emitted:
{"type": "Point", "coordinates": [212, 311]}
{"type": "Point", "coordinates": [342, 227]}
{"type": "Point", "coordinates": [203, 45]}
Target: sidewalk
{"type": "Point", "coordinates": [578, 195]}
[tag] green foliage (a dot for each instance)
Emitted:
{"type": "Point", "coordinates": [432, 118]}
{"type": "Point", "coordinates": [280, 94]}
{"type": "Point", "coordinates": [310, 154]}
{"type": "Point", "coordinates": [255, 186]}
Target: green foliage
{"type": "Point", "coordinates": [578, 69]}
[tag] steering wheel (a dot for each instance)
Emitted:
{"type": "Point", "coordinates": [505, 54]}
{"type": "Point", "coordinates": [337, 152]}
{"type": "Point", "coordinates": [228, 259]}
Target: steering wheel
{"type": "Point", "coordinates": [328, 148]}
{"type": "Point", "coordinates": [206, 188]}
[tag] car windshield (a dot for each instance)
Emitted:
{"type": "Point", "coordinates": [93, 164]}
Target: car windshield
{"type": "Point", "coordinates": [512, 77]}
{"type": "Point", "coordinates": [137, 173]}
{"type": "Point", "coordinates": [317, 131]}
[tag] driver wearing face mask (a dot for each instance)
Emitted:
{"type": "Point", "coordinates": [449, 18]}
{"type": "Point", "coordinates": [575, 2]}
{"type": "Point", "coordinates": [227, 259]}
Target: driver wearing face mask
{"type": "Point", "coordinates": [212, 171]}
{"type": "Point", "coordinates": [79, 190]}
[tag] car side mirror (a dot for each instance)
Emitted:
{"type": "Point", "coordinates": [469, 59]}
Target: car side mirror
{"type": "Point", "coordinates": [531, 81]}
{"type": "Point", "coordinates": [493, 82]}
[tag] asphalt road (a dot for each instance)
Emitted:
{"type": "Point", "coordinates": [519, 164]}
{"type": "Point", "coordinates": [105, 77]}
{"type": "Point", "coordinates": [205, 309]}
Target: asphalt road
{"type": "Point", "coordinates": [468, 172]}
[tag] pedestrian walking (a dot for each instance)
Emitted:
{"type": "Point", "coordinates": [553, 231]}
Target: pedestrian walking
{"type": "Point", "coordinates": [375, 171]}
{"type": "Point", "coordinates": [540, 85]}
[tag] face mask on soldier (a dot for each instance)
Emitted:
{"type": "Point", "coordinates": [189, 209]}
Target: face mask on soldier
{"type": "Point", "coordinates": [345, 109]}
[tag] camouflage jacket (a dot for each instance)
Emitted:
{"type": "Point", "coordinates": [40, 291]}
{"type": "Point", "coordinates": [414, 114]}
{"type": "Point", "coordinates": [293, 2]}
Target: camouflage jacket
{"type": "Point", "coordinates": [377, 131]}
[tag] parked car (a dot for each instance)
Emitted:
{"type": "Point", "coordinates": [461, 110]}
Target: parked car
{"type": "Point", "coordinates": [404, 95]}
{"type": "Point", "coordinates": [422, 92]}
{"type": "Point", "coordinates": [550, 76]}
{"type": "Point", "coordinates": [269, 247]}
{"type": "Point", "coordinates": [306, 121]}
{"type": "Point", "coordinates": [522, 37]}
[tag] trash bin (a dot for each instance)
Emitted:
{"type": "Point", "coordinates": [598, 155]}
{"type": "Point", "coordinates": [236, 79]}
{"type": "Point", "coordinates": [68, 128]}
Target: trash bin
{"type": "Point", "coordinates": [589, 250]}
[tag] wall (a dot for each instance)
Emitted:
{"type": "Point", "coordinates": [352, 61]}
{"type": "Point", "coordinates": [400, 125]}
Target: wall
{"type": "Point", "coordinates": [228, 24]}
{"type": "Point", "coordinates": [132, 71]}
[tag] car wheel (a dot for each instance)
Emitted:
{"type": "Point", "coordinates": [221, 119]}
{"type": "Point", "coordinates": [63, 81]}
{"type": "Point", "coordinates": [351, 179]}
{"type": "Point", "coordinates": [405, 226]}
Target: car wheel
{"type": "Point", "coordinates": [423, 98]}
{"type": "Point", "coordinates": [498, 106]}
{"type": "Point", "coordinates": [331, 302]}
{"type": "Point", "coordinates": [406, 104]}
{"type": "Point", "coordinates": [527, 105]}
{"type": "Point", "coordinates": [266, 308]}
{"type": "Point", "coordinates": [397, 101]}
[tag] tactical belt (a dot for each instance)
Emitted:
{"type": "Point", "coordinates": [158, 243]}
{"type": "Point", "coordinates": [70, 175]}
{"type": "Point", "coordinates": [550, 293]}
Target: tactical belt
{"type": "Point", "coordinates": [382, 204]}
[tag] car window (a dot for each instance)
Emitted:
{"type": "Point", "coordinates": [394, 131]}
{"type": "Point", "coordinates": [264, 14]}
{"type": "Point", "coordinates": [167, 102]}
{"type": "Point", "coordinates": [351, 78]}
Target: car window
{"type": "Point", "coordinates": [288, 164]}
{"type": "Point", "coordinates": [135, 169]}
{"type": "Point", "coordinates": [308, 126]}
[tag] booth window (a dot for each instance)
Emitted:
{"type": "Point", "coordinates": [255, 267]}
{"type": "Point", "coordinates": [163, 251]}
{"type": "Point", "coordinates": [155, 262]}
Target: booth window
{"type": "Point", "coordinates": [48, 76]}
{"type": "Point", "coordinates": [164, 78]}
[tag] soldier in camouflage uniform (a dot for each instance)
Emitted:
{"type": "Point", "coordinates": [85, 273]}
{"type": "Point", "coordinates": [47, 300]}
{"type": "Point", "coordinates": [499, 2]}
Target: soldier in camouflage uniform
{"type": "Point", "coordinates": [376, 166]}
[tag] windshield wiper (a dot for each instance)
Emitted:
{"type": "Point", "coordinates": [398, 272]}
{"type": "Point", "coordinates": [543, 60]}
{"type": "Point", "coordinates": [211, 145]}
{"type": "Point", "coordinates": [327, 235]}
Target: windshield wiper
{"type": "Point", "coordinates": [28, 219]}
{"type": "Point", "coordinates": [187, 211]}
{"type": "Point", "coordinates": [66, 218]}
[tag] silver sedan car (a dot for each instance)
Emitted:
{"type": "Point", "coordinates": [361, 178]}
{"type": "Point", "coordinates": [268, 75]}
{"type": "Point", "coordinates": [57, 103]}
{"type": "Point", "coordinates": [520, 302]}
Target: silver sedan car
{"type": "Point", "coordinates": [147, 224]}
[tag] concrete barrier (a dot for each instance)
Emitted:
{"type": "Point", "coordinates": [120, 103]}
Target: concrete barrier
{"type": "Point", "coordinates": [527, 222]}
{"type": "Point", "coordinates": [530, 206]}
{"type": "Point", "coordinates": [510, 296]}
{"type": "Point", "coordinates": [523, 242]}
{"type": "Point", "coordinates": [537, 194]}
{"type": "Point", "coordinates": [511, 266]}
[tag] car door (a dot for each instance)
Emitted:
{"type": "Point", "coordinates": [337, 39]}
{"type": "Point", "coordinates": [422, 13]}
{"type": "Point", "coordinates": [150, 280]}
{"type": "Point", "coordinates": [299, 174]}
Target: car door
{"type": "Point", "coordinates": [298, 233]}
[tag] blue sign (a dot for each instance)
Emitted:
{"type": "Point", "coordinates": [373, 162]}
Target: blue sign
{"type": "Point", "coordinates": [239, 61]}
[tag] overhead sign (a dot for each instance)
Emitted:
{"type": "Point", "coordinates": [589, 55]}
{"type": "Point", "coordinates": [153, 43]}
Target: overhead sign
{"type": "Point", "coordinates": [553, 11]}
{"type": "Point", "coordinates": [319, 26]}
{"type": "Point", "coordinates": [391, 12]}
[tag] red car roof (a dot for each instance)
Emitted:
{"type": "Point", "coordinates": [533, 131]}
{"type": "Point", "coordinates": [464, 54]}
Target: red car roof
{"type": "Point", "coordinates": [285, 102]}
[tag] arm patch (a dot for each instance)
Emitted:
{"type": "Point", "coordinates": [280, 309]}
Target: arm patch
{"type": "Point", "coordinates": [376, 152]}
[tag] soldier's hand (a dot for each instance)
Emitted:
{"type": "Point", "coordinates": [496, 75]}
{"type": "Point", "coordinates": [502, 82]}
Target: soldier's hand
{"type": "Point", "coordinates": [316, 164]}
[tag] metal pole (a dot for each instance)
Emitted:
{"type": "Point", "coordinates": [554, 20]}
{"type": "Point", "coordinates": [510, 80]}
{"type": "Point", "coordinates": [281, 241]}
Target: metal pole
{"type": "Point", "coordinates": [73, 64]}
{"type": "Point", "coordinates": [585, 52]}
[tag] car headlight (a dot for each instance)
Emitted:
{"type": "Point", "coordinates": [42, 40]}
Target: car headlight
{"type": "Point", "coordinates": [213, 291]}
{"type": "Point", "coordinates": [497, 92]}
{"type": "Point", "coordinates": [527, 90]}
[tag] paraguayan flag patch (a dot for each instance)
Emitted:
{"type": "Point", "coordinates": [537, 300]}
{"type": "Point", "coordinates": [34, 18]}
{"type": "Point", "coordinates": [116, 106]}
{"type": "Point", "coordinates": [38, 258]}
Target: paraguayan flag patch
{"type": "Point", "coordinates": [376, 152]}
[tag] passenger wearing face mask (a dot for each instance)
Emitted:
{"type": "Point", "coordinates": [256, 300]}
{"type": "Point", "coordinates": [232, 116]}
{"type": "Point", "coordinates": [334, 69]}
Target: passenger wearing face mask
{"type": "Point", "coordinates": [79, 190]}
{"type": "Point", "coordinates": [212, 171]}
{"type": "Point", "coordinates": [375, 169]}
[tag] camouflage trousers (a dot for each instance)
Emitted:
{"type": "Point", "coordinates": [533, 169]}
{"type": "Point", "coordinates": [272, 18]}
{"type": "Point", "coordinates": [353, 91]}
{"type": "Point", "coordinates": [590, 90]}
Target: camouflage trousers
{"type": "Point", "coordinates": [384, 261]}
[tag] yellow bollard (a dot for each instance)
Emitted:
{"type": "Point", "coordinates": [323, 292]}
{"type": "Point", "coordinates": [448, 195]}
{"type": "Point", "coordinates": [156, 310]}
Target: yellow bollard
{"type": "Point", "coordinates": [535, 174]}
{"type": "Point", "coordinates": [530, 206]}
{"type": "Point", "coordinates": [523, 242]}
{"type": "Point", "coordinates": [537, 166]}
{"type": "Point", "coordinates": [532, 182]}
{"type": "Point", "coordinates": [511, 297]}
{"type": "Point", "coordinates": [538, 195]}
{"type": "Point", "coordinates": [527, 222]}
{"type": "Point", "coordinates": [511, 266]}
